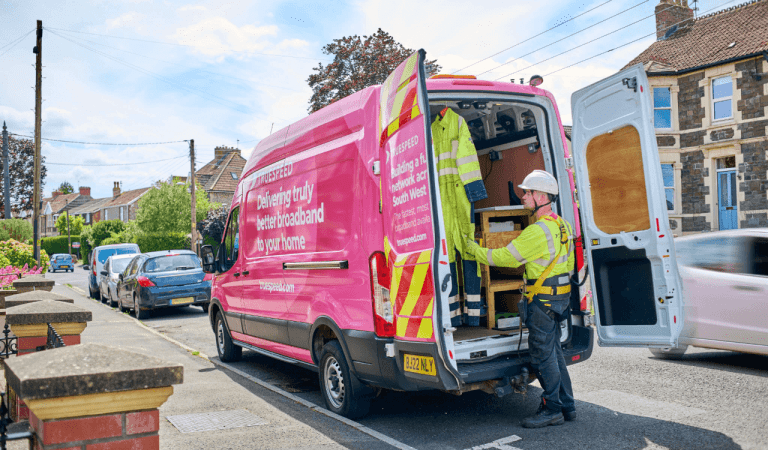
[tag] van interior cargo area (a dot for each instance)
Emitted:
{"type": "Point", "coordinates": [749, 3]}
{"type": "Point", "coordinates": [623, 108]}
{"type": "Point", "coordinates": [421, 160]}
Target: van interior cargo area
{"type": "Point", "coordinates": [507, 137]}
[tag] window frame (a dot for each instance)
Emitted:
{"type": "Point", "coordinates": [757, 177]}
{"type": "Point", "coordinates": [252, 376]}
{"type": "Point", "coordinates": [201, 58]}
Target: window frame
{"type": "Point", "coordinates": [673, 187]}
{"type": "Point", "coordinates": [713, 100]}
{"type": "Point", "coordinates": [665, 108]}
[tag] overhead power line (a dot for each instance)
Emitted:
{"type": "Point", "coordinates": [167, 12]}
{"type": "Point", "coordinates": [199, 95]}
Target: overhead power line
{"type": "Point", "coordinates": [598, 38]}
{"type": "Point", "coordinates": [119, 164]}
{"type": "Point", "coordinates": [571, 35]}
{"type": "Point", "coordinates": [99, 143]}
{"type": "Point", "coordinates": [192, 46]}
{"type": "Point", "coordinates": [533, 37]}
{"type": "Point", "coordinates": [15, 42]}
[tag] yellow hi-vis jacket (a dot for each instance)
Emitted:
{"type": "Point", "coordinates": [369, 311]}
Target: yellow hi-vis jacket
{"type": "Point", "coordinates": [535, 247]}
{"type": "Point", "coordinates": [459, 178]}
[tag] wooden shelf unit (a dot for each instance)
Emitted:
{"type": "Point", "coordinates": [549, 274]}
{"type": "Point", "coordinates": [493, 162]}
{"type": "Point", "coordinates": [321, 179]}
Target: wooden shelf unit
{"type": "Point", "coordinates": [513, 278]}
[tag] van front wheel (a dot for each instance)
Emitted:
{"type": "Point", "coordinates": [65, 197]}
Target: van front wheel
{"type": "Point", "coordinates": [337, 385]}
{"type": "Point", "coordinates": [228, 351]}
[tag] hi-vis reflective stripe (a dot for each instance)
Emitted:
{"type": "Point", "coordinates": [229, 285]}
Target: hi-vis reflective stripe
{"type": "Point", "coordinates": [401, 120]}
{"type": "Point", "coordinates": [393, 89]}
{"type": "Point", "coordinates": [413, 293]}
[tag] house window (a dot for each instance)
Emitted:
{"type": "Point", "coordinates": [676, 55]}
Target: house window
{"type": "Point", "coordinates": [234, 175]}
{"type": "Point", "coordinates": [87, 217]}
{"type": "Point", "coordinates": [121, 214]}
{"type": "Point", "coordinates": [106, 214]}
{"type": "Point", "coordinates": [668, 174]}
{"type": "Point", "coordinates": [722, 94]}
{"type": "Point", "coordinates": [662, 108]}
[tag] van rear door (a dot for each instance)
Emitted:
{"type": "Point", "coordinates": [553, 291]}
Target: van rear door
{"type": "Point", "coordinates": [630, 249]}
{"type": "Point", "coordinates": [409, 201]}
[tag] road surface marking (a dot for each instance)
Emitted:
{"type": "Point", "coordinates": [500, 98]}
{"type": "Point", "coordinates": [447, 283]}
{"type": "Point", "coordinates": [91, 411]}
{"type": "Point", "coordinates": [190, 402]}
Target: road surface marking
{"type": "Point", "coordinates": [499, 444]}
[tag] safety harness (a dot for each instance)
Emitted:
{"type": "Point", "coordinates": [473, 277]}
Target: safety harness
{"type": "Point", "coordinates": [555, 288]}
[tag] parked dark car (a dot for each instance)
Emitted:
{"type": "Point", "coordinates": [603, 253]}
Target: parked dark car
{"type": "Point", "coordinates": [163, 279]}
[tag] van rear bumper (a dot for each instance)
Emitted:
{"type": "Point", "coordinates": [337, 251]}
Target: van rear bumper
{"type": "Point", "coordinates": [577, 350]}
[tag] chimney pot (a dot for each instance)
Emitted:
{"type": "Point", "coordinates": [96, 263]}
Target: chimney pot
{"type": "Point", "coordinates": [116, 189]}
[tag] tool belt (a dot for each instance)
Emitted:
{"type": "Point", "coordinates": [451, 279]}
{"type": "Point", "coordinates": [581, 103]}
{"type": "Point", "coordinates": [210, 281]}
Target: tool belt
{"type": "Point", "coordinates": [551, 288]}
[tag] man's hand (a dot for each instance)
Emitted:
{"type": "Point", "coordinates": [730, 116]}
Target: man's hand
{"type": "Point", "coordinates": [471, 246]}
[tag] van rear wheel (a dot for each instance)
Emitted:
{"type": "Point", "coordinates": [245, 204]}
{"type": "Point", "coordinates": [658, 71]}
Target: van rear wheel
{"type": "Point", "coordinates": [341, 392]}
{"type": "Point", "coordinates": [228, 351]}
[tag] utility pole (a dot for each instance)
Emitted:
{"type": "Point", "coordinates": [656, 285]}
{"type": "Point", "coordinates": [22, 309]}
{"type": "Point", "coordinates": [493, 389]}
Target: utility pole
{"type": "Point", "coordinates": [6, 177]}
{"type": "Point", "coordinates": [192, 191]}
{"type": "Point", "coordinates": [69, 237]}
{"type": "Point", "coordinates": [38, 50]}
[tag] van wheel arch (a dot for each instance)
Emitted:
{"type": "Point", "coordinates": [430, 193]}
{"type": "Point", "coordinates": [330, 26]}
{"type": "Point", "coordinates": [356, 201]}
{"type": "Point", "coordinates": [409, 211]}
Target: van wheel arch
{"type": "Point", "coordinates": [214, 308]}
{"type": "Point", "coordinates": [323, 331]}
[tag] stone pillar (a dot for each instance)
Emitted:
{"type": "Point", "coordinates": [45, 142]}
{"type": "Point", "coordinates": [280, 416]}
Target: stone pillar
{"type": "Point", "coordinates": [33, 283]}
{"type": "Point", "coordinates": [31, 297]}
{"type": "Point", "coordinates": [29, 323]}
{"type": "Point", "coordinates": [93, 397]}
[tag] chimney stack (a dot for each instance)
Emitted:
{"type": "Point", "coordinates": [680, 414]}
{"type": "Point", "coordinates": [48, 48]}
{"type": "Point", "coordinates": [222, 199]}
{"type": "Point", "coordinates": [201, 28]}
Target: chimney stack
{"type": "Point", "coordinates": [218, 152]}
{"type": "Point", "coordinates": [85, 190]}
{"type": "Point", "coordinates": [55, 193]}
{"type": "Point", "coordinates": [116, 190]}
{"type": "Point", "coordinates": [672, 12]}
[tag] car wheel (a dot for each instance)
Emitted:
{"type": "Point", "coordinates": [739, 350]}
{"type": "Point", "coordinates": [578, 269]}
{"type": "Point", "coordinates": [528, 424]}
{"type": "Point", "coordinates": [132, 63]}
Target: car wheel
{"type": "Point", "coordinates": [112, 303]}
{"type": "Point", "coordinates": [205, 308]}
{"type": "Point", "coordinates": [228, 351]}
{"type": "Point", "coordinates": [138, 312]}
{"type": "Point", "coordinates": [339, 389]}
{"type": "Point", "coordinates": [669, 353]}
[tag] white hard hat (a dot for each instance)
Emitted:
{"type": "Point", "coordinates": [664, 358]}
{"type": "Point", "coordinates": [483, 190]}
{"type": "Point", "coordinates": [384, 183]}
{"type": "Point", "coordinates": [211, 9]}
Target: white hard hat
{"type": "Point", "coordinates": [539, 180]}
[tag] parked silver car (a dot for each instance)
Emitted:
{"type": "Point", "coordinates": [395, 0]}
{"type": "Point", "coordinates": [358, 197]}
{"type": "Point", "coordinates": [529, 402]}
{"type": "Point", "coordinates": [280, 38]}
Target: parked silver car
{"type": "Point", "coordinates": [110, 276]}
{"type": "Point", "coordinates": [725, 287]}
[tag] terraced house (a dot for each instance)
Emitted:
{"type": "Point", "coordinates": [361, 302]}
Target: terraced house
{"type": "Point", "coordinates": [709, 82]}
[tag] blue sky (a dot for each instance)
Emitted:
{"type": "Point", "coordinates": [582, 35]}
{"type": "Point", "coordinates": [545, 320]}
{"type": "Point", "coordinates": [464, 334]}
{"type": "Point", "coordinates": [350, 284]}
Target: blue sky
{"type": "Point", "coordinates": [226, 73]}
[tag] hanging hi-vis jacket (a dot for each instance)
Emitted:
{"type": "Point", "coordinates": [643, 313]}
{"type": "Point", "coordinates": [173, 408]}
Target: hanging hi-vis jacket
{"type": "Point", "coordinates": [535, 247]}
{"type": "Point", "coordinates": [459, 178]}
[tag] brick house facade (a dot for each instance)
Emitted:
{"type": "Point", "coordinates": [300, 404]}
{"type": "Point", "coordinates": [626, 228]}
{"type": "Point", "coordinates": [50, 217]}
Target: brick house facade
{"type": "Point", "coordinates": [220, 176]}
{"type": "Point", "coordinates": [709, 89]}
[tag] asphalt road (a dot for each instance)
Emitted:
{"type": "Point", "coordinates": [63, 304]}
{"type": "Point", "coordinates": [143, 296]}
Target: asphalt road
{"type": "Point", "coordinates": [626, 399]}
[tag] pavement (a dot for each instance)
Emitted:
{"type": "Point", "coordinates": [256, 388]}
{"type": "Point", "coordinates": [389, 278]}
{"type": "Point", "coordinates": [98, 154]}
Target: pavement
{"type": "Point", "coordinates": [210, 387]}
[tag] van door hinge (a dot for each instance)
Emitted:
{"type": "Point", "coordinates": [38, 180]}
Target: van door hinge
{"type": "Point", "coordinates": [569, 162]}
{"type": "Point", "coordinates": [631, 83]}
{"type": "Point", "coordinates": [376, 167]}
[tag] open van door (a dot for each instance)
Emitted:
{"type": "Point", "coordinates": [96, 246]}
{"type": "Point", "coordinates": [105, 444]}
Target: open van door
{"type": "Point", "coordinates": [631, 254]}
{"type": "Point", "coordinates": [410, 202]}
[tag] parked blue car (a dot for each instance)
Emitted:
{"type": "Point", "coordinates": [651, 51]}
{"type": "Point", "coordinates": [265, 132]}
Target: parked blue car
{"type": "Point", "coordinates": [62, 261]}
{"type": "Point", "coordinates": [163, 279]}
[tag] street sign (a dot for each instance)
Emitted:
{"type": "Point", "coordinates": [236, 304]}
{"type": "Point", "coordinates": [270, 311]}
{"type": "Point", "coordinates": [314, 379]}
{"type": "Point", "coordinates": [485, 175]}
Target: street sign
{"type": "Point", "coordinates": [75, 245]}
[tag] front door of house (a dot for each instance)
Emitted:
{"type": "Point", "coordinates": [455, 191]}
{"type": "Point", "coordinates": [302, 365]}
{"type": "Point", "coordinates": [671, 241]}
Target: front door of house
{"type": "Point", "coordinates": [726, 192]}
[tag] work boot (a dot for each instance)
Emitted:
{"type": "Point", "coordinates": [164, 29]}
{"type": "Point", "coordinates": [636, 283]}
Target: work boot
{"type": "Point", "coordinates": [543, 417]}
{"type": "Point", "coordinates": [569, 415]}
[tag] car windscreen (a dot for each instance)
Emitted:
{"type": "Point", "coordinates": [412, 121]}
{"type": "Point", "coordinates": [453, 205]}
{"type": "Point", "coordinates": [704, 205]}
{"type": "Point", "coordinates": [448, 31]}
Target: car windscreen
{"type": "Point", "coordinates": [107, 252]}
{"type": "Point", "coordinates": [172, 262]}
{"type": "Point", "coordinates": [119, 265]}
{"type": "Point", "coordinates": [61, 258]}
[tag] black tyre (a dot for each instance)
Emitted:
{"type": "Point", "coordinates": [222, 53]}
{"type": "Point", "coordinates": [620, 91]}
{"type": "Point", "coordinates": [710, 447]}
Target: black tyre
{"type": "Point", "coordinates": [228, 351]}
{"type": "Point", "coordinates": [111, 302]}
{"type": "Point", "coordinates": [138, 312]}
{"type": "Point", "coordinates": [343, 394]}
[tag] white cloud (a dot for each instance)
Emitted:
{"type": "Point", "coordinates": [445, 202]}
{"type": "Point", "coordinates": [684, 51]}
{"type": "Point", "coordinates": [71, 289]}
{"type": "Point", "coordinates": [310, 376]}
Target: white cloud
{"type": "Point", "coordinates": [217, 36]}
{"type": "Point", "coordinates": [128, 20]}
{"type": "Point", "coordinates": [192, 8]}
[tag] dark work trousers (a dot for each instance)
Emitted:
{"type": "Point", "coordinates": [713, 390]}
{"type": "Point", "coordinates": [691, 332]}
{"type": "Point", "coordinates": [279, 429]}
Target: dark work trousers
{"type": "Point", "coordinates": [471, 292]}
{"type": "Point", "coordinates": [547, 357]}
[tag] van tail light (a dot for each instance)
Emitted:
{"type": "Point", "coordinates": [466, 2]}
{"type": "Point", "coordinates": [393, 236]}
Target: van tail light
{"type": "Point", "coordinates": [144, 281]}
{"type": "Point", "coordinates": [583, 304]}
{"type": "Point", "coordinates": [383, 317]}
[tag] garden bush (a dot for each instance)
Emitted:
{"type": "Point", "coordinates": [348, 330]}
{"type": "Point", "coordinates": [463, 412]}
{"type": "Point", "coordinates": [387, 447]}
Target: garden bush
{"type": "Point", "coordinates": [57, 244]}
{"type": "Point", "coordinates": [16, 229]}
{"type": "Point", "coordinates": [150, 242]}
{"type": "Point", "coordinates": [21, 255]}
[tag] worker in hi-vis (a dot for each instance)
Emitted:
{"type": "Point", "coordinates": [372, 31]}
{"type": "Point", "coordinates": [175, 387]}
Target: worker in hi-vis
{"type": "Point", "coordinates": [546, 249]}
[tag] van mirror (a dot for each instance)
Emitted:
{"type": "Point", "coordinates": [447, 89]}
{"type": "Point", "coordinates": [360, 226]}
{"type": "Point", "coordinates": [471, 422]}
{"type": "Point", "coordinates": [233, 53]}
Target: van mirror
{"type": "Point", "coordinates": [120, 276]}
{"type": "Point", "coordinates": [209, 261]}
{"type": "Point", "coordinates": [86, 267]}
{"type": "Point", "coordinates": [104, 272]}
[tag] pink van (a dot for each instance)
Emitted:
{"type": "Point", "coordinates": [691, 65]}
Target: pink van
{"type": "Point", "coordinates": [334, 256]}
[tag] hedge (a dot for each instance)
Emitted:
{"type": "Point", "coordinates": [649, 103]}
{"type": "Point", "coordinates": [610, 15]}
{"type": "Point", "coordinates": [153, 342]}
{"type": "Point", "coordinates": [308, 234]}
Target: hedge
{"type": "Point", "coordinates": [16, 229]}
{"type": "Point", "coordinates": [58, 244]}
{"type": "Point", "coordinates": [150, 242]}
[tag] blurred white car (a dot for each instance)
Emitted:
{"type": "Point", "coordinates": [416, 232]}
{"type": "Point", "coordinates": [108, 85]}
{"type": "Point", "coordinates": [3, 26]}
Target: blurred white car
{"type": "Point", "coordinates": [725, 291]}
{"type": "Point", "coordinates": [109, 276]}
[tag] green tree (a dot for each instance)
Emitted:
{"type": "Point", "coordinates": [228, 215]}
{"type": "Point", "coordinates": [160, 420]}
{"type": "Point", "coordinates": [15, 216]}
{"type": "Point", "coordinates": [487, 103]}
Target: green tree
{"type": "Point", "coordinates": [358, 63]}
{"type": "Point", "coordinates": [103, 230]}
{"type": "Point", "coordinates": [18, 229]}
{"type": "Point", "coordinates": [167, 209]}
{"type": "Point", "coordinates": [66, 188]}
{"type": "Point", "coordinates": [21, 167]}
{"type": "Point", "coordinates": [75, 224]}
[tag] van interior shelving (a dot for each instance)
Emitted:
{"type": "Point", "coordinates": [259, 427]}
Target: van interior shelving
{"type": "Point", "coordinates": [507, 138]}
